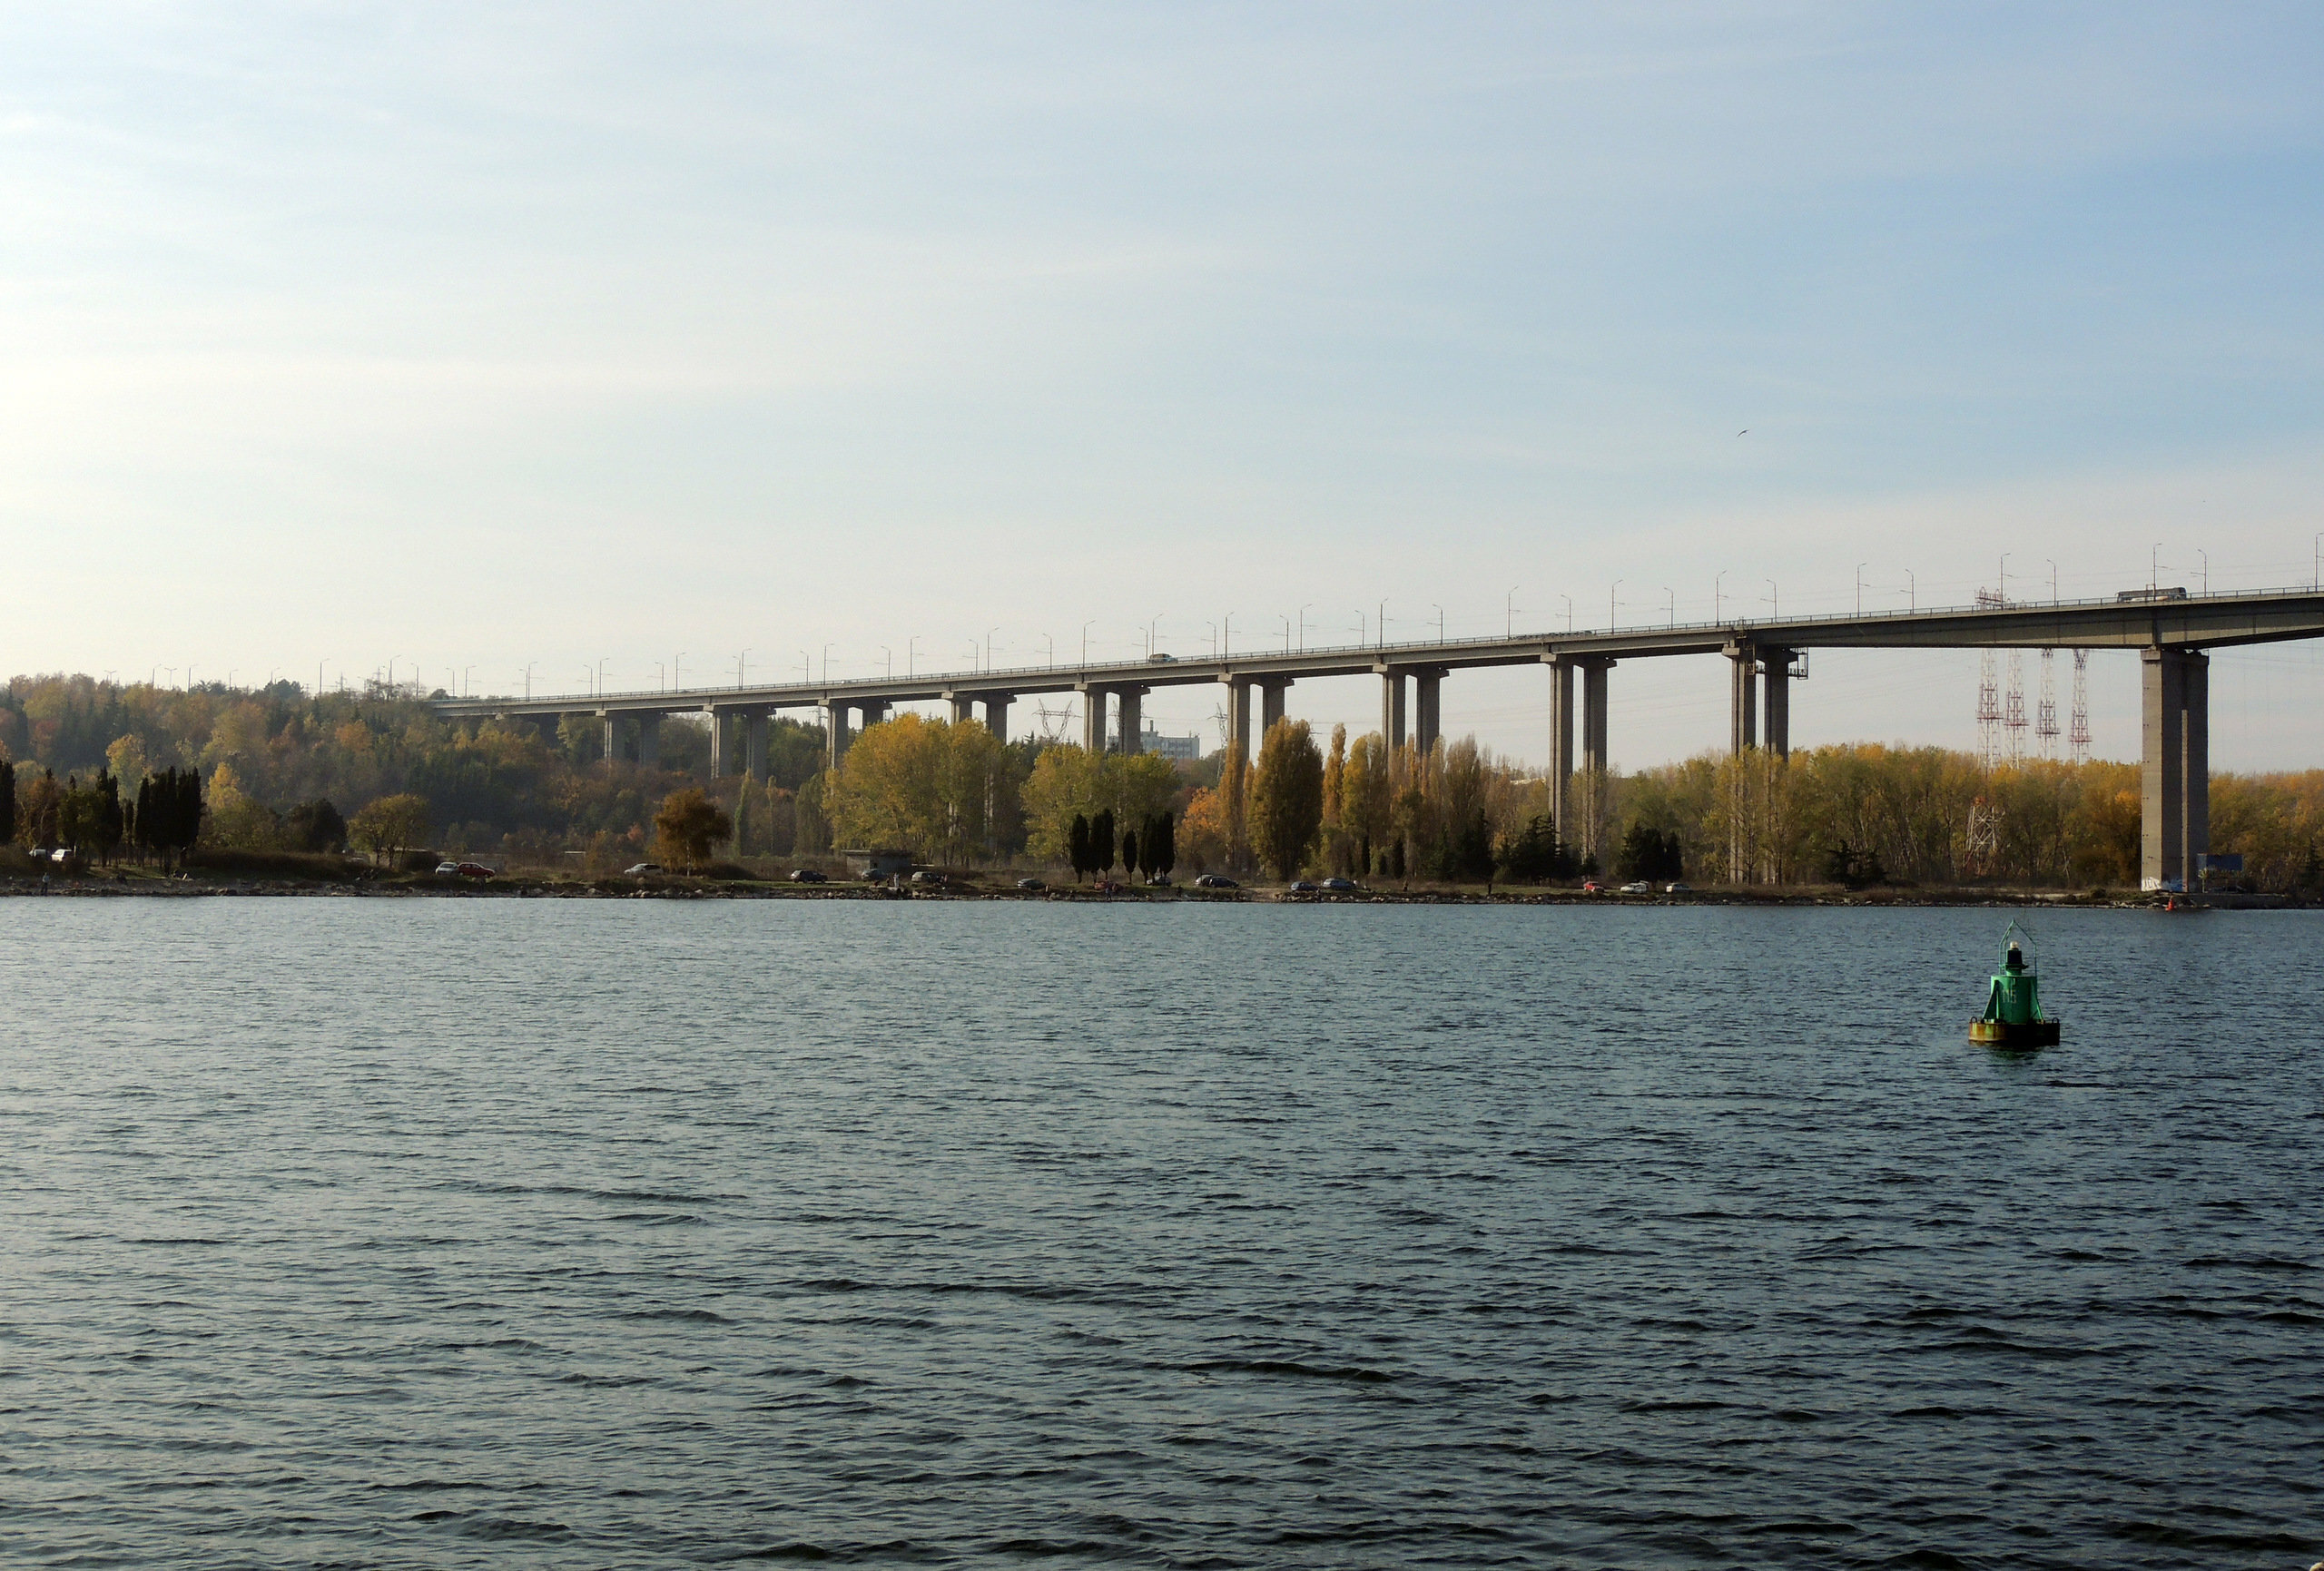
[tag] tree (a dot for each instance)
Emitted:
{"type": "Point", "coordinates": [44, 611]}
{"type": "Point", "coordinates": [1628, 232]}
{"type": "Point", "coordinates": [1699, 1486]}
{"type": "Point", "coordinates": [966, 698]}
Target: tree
{"type": "Point", "coordinates": [928, 785]}
{"type": "Point", "coordinates": [104, 825]}
{"type": "Point", "coordinates": [1467, 852]}
{"type": "Point", "coordinates": [314, 826]}
{"type": "Point", "coordinates": [1287, 797]}
{"type": "Point", "coordinates": [688, 825]}
{"type": "Point", "coordinates": [1101, 842]}
{"type": "Point", "coordinates": [392, 824]}
{"type": "Point", "coordinates": [1367, 801]}
{"type": "Point", "coordinates": [1166, 856]}
{"type": "Point", "coordinates": [7, 801]}
{"type": "Point", "coordinates": [1130, 853]}
{"type": "Point", "coordinates": [1077, 847]}
{"type": "Point", "coordinates": [1533, 855]}
{"type": "Point", "coordinates": [38, 810]}
{"type": "Point", "coordinates": [1338, 845]}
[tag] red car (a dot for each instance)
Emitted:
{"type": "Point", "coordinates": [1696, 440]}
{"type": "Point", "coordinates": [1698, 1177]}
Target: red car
{"type": "Point", "coordinates": [477, 870]}
{"type": "Point", "coordinates": [1592, 887]}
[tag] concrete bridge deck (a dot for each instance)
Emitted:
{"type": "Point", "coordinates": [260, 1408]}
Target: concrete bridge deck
{"type": "Point", "coordinates": [2171, 628]}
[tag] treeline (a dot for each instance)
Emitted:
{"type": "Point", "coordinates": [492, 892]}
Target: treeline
{"type": "Point", "coordinates": [280, 769]}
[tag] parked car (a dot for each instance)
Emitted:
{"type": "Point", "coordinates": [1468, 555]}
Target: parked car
{"type": "Point", "coordinates": [637, 871]}
{"type": "Point", "coordinates": [1215, 881]}
{"type": "Point", "coordinates": [807, 876]}
{"type": "Point", "coordinates": [1301, 887]}
{"type": "Point", "coordinates": [1678, 888]}
{"type": "Point", "coordinates": [1592, 887]}
{"type": "Point", "coordinates": [927, 875]}
{"type": "Point", "coordinates": [443, 869]}
{"type": "Point", "coordinates": [476, 870]}
{"type": "Point", "coordinates": [1638, 887]}
{"type": "Point", "coordinates": [1030, 884]}
{"type": "Point", "coordinates": [1341, 886]}
{"type": "Point", "coordinates": [1158, 881]}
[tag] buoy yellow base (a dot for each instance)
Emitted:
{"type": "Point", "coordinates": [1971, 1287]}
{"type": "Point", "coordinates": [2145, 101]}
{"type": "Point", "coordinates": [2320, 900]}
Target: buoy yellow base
{"type": "Point", "coordinates": [2003, 1034]}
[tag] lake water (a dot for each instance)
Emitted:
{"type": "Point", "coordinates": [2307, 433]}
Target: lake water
{"type": "Point", "coordinates": [367, 1233]}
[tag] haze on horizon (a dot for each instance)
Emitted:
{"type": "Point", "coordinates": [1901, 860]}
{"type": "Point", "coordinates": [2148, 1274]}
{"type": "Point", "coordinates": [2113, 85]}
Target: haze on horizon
{"type": "Point", "coordinates": [487, 338]}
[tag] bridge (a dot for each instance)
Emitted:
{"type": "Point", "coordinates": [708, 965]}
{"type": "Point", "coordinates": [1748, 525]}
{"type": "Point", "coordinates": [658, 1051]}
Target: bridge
{"type": "Point", "coordinates": [2169, 628]}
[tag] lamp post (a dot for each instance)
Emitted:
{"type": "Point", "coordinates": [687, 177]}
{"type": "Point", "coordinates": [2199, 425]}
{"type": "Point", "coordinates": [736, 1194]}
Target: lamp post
{"type": "Point", "coordinates": [988, 646]}
{"type": "Point", "coordinates": [528, 678]}
{"type": "Point", "coordinates": [1363, 627]}
{"type": "Point", "coordinates": [1085, 641]}
{"type": "Point", "coordinates": [1775, 601]}
{"type": "Point", "coordinates": [1153, 634]}
{"type": "Point", "coordinates": [1716, 600]}
{"type": "Point", "coordinates": [1508, 613]}
{"type": "Point", "coordinates": [677, 671]}
{"type": "Point", "coordinates": [1912, 591]}
{"type": "Point", "coordinates": [2053, 580]}
{"type": "Point", "coordinates": [1859, 589]}
{"type": "Point", "coordinates": [1303, 626]}
{"type": "Point", "coordinates": [1674, 605]}
{"type": "Point", "coordinates": [742, 670]}
{"type": "Point", "coordinates": [1569, 610]}
{"type": "Point", "coordinates": [2199, 551]}
{"type": "Point", "coordinates": [888, 656]}
{"type": "Point", "coordinates": [1610, 603]}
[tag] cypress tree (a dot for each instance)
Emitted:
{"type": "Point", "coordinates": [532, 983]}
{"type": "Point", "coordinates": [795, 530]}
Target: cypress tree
{"type": "Point", "coordinates": [1167, 857]}
{"type": "Point", "coordinates": [1102, 842]}
{"type": "Point", "coordinates": [1131, 850]}
{"type": "Point", "coordinates": [1077, 843]}
{"type": "Point", "coordinates": [7, 801]}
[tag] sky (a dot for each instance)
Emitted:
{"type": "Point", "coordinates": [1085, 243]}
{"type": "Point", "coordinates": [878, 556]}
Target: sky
{"type": "Point", "coordinates": [514, 343]}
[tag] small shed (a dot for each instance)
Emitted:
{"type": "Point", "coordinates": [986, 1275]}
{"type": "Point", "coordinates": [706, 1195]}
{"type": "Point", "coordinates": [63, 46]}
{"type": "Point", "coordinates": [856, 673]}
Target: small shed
{"type": "Point", "coordinates": [877, 865]}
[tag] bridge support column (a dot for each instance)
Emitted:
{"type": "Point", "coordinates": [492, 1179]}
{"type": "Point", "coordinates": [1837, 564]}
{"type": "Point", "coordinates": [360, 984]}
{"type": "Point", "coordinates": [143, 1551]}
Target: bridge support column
{"type": "Point", "coordinates": [964, 707]}
{"type": "Point", "coordinates": [1593, 754]}
{"type": "Point", "coordinates": [1238, 715]}
{"type": "Point", "coordinates": [837, 727]}
{"type": "Point", "coordinates": [1133, 708]}
{"type": "Point", "coordinates": [717, 740]}
{"type": "Point", "coordinates": [1561, 802]}
{"type": "Point", "coordinates": [1428, 714]}
{"type": "Point", "coordinates": [755, 731]}
{"type": "Point", "coordinates": [1093, 719]}
{"type": "Point", "coordinates": [996, 714]}
{"type": "Point", "coordinates": [2175, 807]}
{"type": "Point", "coordinates": [1271, 690]}
{"type": "Point", "coordinates": [1743, 681]}
{"type": "Point", "coordinates": [1392, 712]}
{"type": "Point", "coordinates": [611, 724]}
{"type": "Point", "coordinates": [1776, 680]}
{"type": "Point", "coordinates": [649, 740]}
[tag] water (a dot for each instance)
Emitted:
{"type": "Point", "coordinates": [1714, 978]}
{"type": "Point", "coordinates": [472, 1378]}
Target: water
{"type": "Point", "coordinates": [399, 1234]}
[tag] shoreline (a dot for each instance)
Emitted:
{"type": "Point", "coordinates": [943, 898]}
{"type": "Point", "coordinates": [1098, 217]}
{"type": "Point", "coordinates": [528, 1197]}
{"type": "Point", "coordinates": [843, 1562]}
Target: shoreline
{"type": "Point", "coordinates": [507, 888]}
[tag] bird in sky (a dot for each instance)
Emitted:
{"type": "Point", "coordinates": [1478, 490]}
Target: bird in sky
{"type": "Point", "coordinates": [1744, 432]}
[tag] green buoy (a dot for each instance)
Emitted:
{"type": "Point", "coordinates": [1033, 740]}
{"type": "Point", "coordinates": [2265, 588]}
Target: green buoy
{"type": "Point", "coordinates": [2013, 1016]}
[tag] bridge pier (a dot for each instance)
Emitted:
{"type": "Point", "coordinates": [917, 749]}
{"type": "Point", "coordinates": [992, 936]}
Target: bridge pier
{"type": "Point", "coordinates": [649, 740]}
{"type": "Point", "coordinates": [1561, 798]}
{"type": "Point", "coordinates": [1593, 752]}
{"type": "Point", "coordinates": [1392, 710]}
{"type": "Point", "coordinates": [2175, 805]}
{"type": "Point", "coordinates": [1238, 715]}
{"type": "Point", "coordinates": [1743, 707]}
{"type": "Point", "coordinates": [1271, 691]}
{"type": "Point", "coordinates": [754, 730]}
{"type": "Point", "coordinates": [1133, 719]}
{"type": "Point", "coordinates": [1093, 719]}
{"type": "Point", "coordinates": [1428, 711]}
{"type": "Point", "coordinates": [610, 723]}
{"type": "Point", "coordinates": [717, 740]}
{"type": "Point", "coordinates": [964, 707]}
{"type": "Point", "coordinates": [837, 725]}
{"type": "Point", "coordinates": [996, 714]}
{"type": "Point", "coordinates": [1775, 676]}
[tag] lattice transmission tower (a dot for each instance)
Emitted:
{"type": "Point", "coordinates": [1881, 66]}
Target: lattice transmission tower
{"type": "Point", "coordinates": [2045, 717]}
{"type": "Point", "coordinates": [2013, 708]}
{"type": "Point", "coordinates": [2078, 737]}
